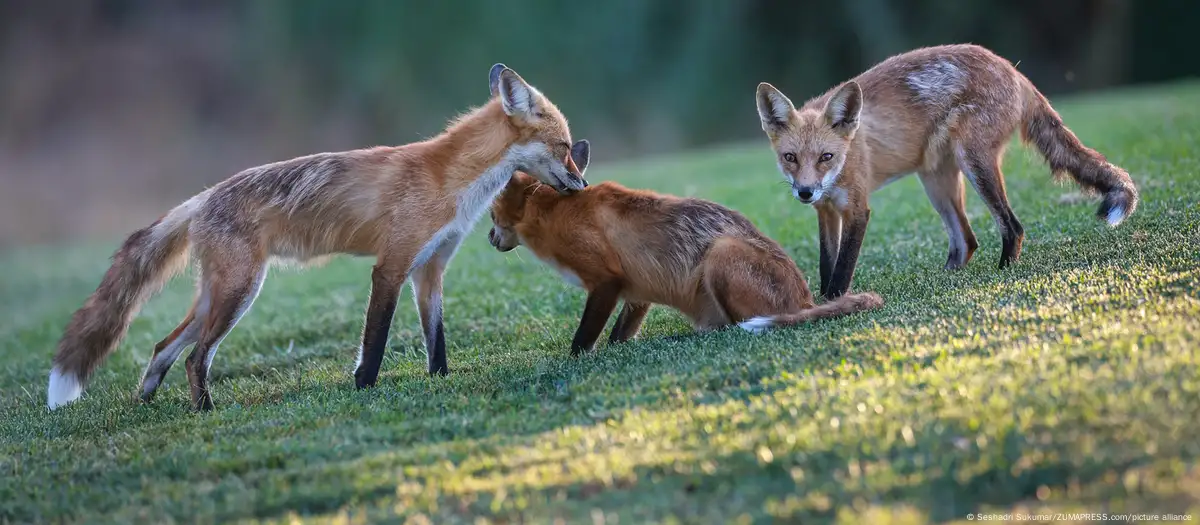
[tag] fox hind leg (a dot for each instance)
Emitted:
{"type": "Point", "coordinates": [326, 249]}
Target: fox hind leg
{"type": "Point", "coordinates": [983, 168]}
{"type": "Point", "coordinates": [232, 287]}
{"type": "Point", "coordinates": [946, 191]}
{"type": "Point", "coordinates": [628, 322]}
{"type": "Point", "coordinates": [744, 282]}
{"type": "Point", "coordinates": [167, 351]}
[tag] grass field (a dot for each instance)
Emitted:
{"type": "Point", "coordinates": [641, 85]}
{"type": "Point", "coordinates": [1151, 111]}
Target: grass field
{"type": "Point", "coordinates": [1068, 383]}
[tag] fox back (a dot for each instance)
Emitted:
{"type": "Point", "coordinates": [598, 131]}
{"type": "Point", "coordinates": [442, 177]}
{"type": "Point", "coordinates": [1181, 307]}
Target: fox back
{"type": "Point", "coordinates": [653, 243]}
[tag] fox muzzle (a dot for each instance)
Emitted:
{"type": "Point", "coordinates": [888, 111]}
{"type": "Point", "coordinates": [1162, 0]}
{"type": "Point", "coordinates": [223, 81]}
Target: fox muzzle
{"type": "Point", "coordinates": [806, 194]}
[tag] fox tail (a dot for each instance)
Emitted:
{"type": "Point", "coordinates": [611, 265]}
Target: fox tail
{"type": "Point", "coordinates": [844, 305]}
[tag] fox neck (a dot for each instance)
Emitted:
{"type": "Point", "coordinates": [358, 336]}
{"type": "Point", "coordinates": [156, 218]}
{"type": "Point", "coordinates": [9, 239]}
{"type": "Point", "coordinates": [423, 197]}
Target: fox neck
{"type": "Point", "coordinates": [531, 237]}
{"type": "Point", "coordinates": [481, 155]}
{"type": "Point", "coordinates": [478, 146]}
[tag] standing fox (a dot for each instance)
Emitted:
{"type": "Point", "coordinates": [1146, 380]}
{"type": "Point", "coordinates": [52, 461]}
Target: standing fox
{"type": "Point", "coordinates": [940, 112]}
{"type": "Point", "coordinates": [703, 259]}
{"type": "Point", "coordinates": [409, 206]}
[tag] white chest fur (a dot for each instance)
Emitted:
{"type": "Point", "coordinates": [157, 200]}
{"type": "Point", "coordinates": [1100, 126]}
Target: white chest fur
{"type": "Point", "coordinates": [471, 203]}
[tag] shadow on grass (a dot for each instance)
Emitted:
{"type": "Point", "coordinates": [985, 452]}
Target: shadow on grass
{"type": "Point", "coordinates": [553, 395]}
{"type": "Point", "coordinates": [927, 479]}
{"type": "Point", "coordinates": [643, 364]}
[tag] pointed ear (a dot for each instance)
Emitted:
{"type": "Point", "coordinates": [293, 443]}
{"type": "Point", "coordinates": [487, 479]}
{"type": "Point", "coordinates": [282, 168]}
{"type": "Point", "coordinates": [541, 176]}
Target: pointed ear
{"type": "Point", "coordinates": [844, 108]}
{"type": "Point", "coordinates": [494, 78]}
{"type": "Point", "coordinates": [515, 94]}
{"type": "Point", "coordinates": [581, 153]}
{"type": "Point", "coordinates": [774, 109]}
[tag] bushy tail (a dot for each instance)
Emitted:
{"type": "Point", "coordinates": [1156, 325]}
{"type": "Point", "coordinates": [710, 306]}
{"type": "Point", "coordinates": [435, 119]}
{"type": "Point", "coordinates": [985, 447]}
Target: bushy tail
{"type": "Point", "coordinates": [147, 259]}
{"type": "Point", "coordinates": [844, 305]}
{"type": "Point", "coordinates": [1043, 128]}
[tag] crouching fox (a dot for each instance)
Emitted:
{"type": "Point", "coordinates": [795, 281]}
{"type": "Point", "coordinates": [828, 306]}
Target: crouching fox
{"type": "Point", "coordinates": [705, 260]}
{"type": "Point", "coordinates": [409, 206]}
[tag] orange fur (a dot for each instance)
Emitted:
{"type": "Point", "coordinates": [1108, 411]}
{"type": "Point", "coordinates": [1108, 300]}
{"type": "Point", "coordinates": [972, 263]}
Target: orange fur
{"type": "Point", "coordinates": [409, 206]}
{"type": "Point", "coordinates": [940, 112]}
{"type": "Point", "coordinates": [698, 257]}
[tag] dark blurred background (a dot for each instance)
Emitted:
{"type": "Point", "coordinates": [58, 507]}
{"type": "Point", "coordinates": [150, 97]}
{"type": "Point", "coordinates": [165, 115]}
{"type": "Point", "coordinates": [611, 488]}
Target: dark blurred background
{"type": "Point", "coordinates": [113, 111]}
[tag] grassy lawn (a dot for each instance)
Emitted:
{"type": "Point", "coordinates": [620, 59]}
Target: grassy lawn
{"type": "Point", "coordinates": [1068, 383]}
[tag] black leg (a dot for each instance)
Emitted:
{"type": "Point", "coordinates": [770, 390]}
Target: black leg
{"type": "Point", "coordinates": [600, 305]}
{"type": "Point", "coordinates": [828, 262]}
{"type": "Point", "coordinates": [985, 174]}
{"type": "Point", "coordinates": [427, 288]}
{"type": "Point", "coordinates": [855, 224]}
{"type": "Point", "coordinates": [437, 351]}
{"type": "Point", "coordinates": [829, 223]}
{"type": "Point", "coordinates": [629, 322]}
{"type": "Point", "coordinates": [382, 307]}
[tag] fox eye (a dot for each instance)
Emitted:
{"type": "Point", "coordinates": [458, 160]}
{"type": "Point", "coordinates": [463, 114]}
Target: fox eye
{"type": "Point", "coordinates": [790, 157]}
{"type": "Point", "coordinates": [539, 114]}
{"type": "Point", "coordinates": [826, 157]}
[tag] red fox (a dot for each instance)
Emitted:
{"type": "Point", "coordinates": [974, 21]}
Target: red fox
{"type": "Point", "coordinates": [941, 112]}
{"type": "Point", "coordinates": [698, 257]}
{"type": "Point", "coordinates": [409, 206]}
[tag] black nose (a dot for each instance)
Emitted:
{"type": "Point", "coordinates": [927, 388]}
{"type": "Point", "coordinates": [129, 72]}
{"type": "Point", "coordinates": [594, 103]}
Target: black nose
{"type": "Point", "coordinates": [492, 235]}
{"type": "Point", "coordinates": [804, 193]}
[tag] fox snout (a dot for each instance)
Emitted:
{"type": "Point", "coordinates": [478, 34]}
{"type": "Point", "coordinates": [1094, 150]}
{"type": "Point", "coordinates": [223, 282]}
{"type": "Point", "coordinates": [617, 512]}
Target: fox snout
{"type": "Point", "coordinates": [574, 176]}
{"type": "Point", "coordinates": [500, 241]}
{"type": "Point", "coordinates": [575, 164]}
{"type": "Point", "coordinates": [564, 181]}
{"type": "Point", "coordinates": [572, 182]}
{"type": "Point", "coordinates": [806, 194]}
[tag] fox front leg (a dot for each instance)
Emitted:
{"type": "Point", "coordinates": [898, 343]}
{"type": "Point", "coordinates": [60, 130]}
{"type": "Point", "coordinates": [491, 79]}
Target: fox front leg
{"type": "Point", "coordinates": [385, 290]}
{"type": "Point", "coordinates": [854, 230]}
{"type": "Point", "coordinates": [829, 224]}
{"type": "Point", "coordinates": [601, 303]}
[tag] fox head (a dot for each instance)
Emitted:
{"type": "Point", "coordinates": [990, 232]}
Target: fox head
{"type": "Point", "coordinates": [509, 208]}
{"type": "Point", "coordinates": [810, 145]}
{"type": "Point", "coordinates": [543, 146]}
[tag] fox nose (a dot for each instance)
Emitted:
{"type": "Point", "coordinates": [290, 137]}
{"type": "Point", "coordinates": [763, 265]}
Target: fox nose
{"type": "Point", "coordinates": [577, 180]}
{"type": "Point", "coordinates": [492, 236]}
{"type": "Point", "coordinates": [805, 193]}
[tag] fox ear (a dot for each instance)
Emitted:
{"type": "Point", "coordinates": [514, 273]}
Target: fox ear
{"type": "Point", "coordinates": [844, 107]}
{"type": "Point", "coordinates": [774, 108]}
{"type": "Point", "coordinates": [515, 95]}
{"type": "Point", "coordinates": [581, 153]}
{"type": "Point", "coordinates": [494, 78]}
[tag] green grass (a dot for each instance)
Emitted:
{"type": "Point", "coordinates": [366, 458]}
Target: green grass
{"type": "Point", "coordinates": [1070, 382]}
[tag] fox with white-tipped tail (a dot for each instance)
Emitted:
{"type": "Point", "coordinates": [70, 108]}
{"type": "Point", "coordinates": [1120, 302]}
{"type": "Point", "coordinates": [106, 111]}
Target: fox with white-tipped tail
{"type": "Point", "coordinates": [409, 206]}
{"type": "Point", "coordinates": [698, 257]}
{"type": "Point", "coordinates": [942, 112]}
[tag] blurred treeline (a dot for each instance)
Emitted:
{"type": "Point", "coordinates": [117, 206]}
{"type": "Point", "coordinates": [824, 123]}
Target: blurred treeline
{"type": "Point", "coordinates": [110, 111]}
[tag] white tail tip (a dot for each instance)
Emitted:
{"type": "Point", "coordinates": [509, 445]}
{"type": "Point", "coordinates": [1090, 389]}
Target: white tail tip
{"type": "Point", "coordinates": [1115, 216]}
{"type": "Point", "coordinates": [64, 388]}
{"type": "Point", "coordinates": [757, 325]}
